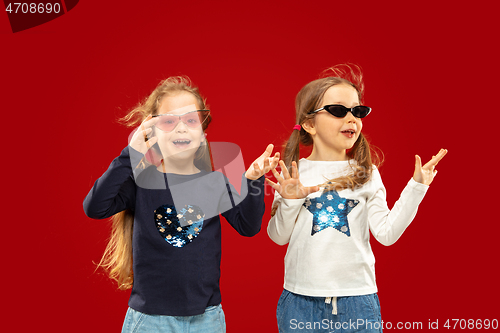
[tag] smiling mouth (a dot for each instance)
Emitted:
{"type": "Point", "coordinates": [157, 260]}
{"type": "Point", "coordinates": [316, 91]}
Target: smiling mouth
{"type": "Point", "coordinates": [181, 143]}
{"type": "Point", "coordinates": [349, 133]}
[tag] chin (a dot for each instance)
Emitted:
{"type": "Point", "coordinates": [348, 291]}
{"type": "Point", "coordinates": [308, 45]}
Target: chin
{"type": "Point", "coordinates": [183, 154]}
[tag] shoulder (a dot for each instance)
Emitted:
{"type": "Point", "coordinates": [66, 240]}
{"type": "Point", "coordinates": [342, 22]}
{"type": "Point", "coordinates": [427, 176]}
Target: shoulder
{"type": "Point", "coordinates": [375, 178]}
{"type": "Point", "coordinates": [149, 178]}
{"type": "Point", "coordinates": [375, 171]}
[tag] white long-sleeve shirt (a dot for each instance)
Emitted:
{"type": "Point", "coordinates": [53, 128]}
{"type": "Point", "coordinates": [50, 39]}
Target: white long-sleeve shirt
{"type": "Point", "coordinates": [329, 252]}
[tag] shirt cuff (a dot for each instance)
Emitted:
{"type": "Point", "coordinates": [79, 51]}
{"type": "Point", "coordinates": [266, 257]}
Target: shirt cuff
{"type": "Point", "coordinates": [293, 202]}
{"type": "Point", "coordinates": [418, 186]}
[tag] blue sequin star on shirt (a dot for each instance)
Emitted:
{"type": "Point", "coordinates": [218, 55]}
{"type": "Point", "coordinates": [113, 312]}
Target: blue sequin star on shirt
{"type": "Point", "coordinates": [330, 210]}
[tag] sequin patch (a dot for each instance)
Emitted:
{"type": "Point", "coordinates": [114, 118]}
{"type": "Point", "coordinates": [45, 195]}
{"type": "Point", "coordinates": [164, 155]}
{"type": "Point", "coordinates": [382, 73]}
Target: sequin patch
{"type": "Point", "coordinates": [330, 210]}
{"type": "Point", "coordinates": [179, 228]}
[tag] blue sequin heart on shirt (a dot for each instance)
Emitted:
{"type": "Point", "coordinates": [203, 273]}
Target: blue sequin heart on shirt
{"type": "Point", "coordinates": [179, 228]}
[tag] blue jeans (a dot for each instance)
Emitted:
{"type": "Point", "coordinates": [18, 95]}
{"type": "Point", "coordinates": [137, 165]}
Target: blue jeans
{"type": "Point", "coordinates": [212, 321]}
{"type": "Point", "coordinates": [306, 314]}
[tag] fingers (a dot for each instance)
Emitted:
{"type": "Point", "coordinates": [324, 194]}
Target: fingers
{"type": "Point", "coordinates": [435, 159]}
{"type": "Point", "coordinates": [256, 168]}
{"type": "Point", "coordinates": [286, 174]}
{"type": "Point", "coordinates": [269, 162]}
{"type": "Point", "coordinates": [254, 172]}
{"type": "Point", "coordinates": [295, 172]}
{"type": "Point", "coordinates": [151, 142]}
{"type": "Point", "coordinates": [284, 169]}
{"type": "Point", "coordinates": [275, 186]}
{"type": "Point", "coordinates": [418, 162]}
{"type": "Point", "coordinates": [425, 174]}
{"type": "Point", "coordinates": [272, 163]}
{"type": "Point", "coordinates": [149, 117]}
{"type": "Point", "coordinates": [310, 189]}
{"type": "Point", "coordinates": [148, 139]}
{"type": "Point", "coordinates": [275, 160]}
{"type": "Point", "coordinates": [146, 127]}
{"type": "Point", "coordinates": [149, 122]}
{"type": "Point", "coordinates": [267, 165]}
{"type": "Point", "coordinates": [142, 138]}
{"type": "Point", "coordinates": [146, 132]}
{"type": "Point", "coordinates": [269, 150]}
{"type": "Point", "coordinates": [277, 176]}
{"type": "Point", "coordinates": [442, 153]}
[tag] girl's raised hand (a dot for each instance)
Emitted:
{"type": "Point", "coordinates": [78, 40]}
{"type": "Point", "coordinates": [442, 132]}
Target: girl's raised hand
{"type": "Point", "coordinates": [263, 164]}
{"type": "Point", "coordinates": [425, 174]}
{"type": "Point", "coordinates": [289, 187]}
{"type": "Point", "coordinates": [142, 139]}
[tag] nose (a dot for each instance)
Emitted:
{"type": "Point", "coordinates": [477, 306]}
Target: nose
{"type": "Point", "coordinates": [349, 117]}
{"type": "Point", "coordinates": [181, 127]}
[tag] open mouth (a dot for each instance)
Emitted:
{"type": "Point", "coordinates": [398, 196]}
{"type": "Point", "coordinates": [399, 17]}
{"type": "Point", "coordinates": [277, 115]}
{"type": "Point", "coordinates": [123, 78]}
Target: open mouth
{"type": "Point", "coordinates": [349, 133]}
{"type": "Point", "coordinates": [181, 143]}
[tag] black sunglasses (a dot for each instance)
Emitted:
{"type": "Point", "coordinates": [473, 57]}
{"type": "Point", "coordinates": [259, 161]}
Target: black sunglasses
{"type": "Point", "coordinates": [340, 111]}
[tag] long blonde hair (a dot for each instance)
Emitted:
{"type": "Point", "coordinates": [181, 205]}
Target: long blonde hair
{"type": "Point", "coordinates": [117, 257]}
{"type": "Point", "coordinates": [309, 99]}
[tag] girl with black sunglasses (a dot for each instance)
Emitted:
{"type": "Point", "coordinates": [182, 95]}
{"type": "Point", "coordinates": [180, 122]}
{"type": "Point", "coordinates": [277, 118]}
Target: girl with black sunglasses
{"type": "Point", "coordinates": [165, 201]}
{"type": "Point", "coordinates": [326, 215]}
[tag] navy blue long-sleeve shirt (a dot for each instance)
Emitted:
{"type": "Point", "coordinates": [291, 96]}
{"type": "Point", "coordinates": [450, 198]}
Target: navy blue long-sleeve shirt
{"type": "Point", "coordinates": [176, 246]}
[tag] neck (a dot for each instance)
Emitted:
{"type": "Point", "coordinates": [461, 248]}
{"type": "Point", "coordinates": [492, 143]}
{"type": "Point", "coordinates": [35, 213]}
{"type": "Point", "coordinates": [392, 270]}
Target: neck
{"type": "Point", "coordinates": [331, 155]}
{"type": "Point", "coordinates": [182, 167]}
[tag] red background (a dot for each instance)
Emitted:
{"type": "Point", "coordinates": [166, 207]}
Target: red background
{"type": "Point", "coordinates": [431, 78]}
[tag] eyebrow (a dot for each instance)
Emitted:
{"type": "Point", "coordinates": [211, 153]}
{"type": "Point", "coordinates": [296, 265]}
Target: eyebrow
{"type": "Point", "coordinates": [338, 103]}
{"type": "Point", "coordinates": [173, 114]}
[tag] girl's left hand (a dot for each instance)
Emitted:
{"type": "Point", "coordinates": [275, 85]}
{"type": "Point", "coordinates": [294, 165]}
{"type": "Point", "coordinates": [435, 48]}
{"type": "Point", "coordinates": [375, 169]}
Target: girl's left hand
{"type": "Point", "coordinates": [425, 174]}
{"type": "Point", "coordinates": [263, 164]}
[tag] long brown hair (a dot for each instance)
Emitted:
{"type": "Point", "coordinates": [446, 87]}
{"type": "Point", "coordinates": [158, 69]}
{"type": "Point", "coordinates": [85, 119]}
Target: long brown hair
{"type": "Point", "coordinates": [117, 257]}
{"type": "Point", "coordinates": [309, 99]}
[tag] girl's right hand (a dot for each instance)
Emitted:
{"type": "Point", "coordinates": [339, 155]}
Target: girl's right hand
{"type": "Point", "coordinates": [142, 139]}
{"type": "Point", "coordinates": [289, 187]}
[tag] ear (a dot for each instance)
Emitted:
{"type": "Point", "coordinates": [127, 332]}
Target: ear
{"type": "Point", "coordinates": [308, 126]}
